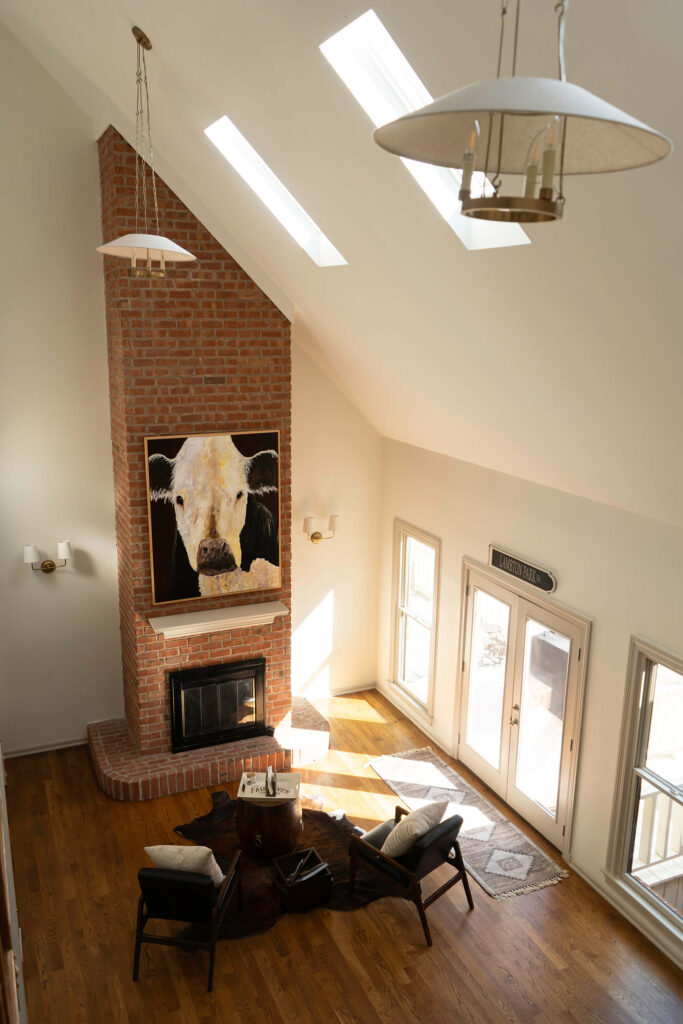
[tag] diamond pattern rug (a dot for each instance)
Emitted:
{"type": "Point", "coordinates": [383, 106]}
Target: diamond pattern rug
{"type": "Point", "coordinates": [502, 859]}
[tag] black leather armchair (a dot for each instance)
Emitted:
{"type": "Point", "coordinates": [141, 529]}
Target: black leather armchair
{"type": "Point", "coordinates": [438, 846]}
{"type": "Point", "coordinates": [187, 897]}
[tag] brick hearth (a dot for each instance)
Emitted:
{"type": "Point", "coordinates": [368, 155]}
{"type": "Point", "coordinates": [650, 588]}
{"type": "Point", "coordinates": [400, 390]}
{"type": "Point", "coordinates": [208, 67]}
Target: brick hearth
{"type": "Point", "coordinates": [201, 351]}
{"type": "Point", "coordinates": [125, 774]}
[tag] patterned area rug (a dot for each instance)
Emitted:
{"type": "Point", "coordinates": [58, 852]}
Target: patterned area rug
{"type": "Point", "coordinates": [500, 857]}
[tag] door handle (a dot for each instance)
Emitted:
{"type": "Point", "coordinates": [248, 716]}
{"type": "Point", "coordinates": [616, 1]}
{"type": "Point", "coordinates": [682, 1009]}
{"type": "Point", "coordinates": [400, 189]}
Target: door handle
{"type": "Point", "coordinates": [514, 721]}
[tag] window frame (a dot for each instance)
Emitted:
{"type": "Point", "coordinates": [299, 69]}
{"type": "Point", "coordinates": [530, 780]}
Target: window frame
{"type": "Point", "coordinates": [402, 532]}
{"type": "Point", "coordinates": [642, 659]}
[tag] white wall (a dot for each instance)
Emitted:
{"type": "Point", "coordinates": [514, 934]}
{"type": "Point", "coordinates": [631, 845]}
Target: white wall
{"type": "Point", "coordinates": [336, 468]}
{"type": "Point", "coordinates": [61, 662]}
{"type": "Point", "coordinates": [60, 636]}
{"type": "Point", "coordinates": [622, 570]}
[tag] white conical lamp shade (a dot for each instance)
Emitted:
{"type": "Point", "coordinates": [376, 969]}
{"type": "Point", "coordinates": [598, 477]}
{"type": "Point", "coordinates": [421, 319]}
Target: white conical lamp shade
{"type": "Point", "coordinates": [64, 550]}
{"type": "Point", "coordinates": [31, 554]}
{"type": "Point", "coordinates": [129, 246]}
{"type": "Point", "coordinates": [599, 137]}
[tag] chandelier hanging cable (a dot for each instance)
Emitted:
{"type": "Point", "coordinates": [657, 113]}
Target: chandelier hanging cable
{"type": "Point", "coordinates": [527, 208]}
{"type": "Point", "coordinates": [152, 248]}
{"type": "Point", "coordinates": [523, 126]}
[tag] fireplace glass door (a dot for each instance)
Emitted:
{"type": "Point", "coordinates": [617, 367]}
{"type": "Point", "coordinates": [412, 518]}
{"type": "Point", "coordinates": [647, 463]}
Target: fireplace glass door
{"type": "Point", "coordinates": [215, 707]}
{"type": "Point", "coordinates": [217, 704]}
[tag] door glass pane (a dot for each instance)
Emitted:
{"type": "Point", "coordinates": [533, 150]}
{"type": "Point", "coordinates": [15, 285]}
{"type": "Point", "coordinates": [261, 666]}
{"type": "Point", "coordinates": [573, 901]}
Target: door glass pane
{"type": "Point", "coordinates": [414, 668]}
{"type": "Point", "coordinates": [665, 742]}
{"type": "Point", "coordinates": [657, 851]}
{"type": "Point", "coordinates": [419, 579]}
{"type": "Point", "coordinates": [488, 658]}
{"type": "Point", "coordinates": [544, 687]}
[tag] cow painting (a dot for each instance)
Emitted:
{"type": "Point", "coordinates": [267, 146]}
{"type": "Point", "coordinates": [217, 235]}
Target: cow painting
{"type": "Point", "coordinates": [214, 514]}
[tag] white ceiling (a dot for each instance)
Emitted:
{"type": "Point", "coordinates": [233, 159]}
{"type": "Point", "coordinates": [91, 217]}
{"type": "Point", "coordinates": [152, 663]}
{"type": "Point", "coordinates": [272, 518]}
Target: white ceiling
{"type": "Point", "coordinates": [559, 362]}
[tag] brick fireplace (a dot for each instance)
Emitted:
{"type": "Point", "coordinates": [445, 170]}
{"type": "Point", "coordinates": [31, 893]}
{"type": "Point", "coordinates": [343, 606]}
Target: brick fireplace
{"type": "Point", "coordinates": [202, 351]}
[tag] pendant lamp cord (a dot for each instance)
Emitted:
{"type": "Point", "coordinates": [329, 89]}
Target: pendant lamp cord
{"type": "Point", "coordinates": [503, 15]}
{"type": "Point", "coordinates": [497, 180]}
{"type": "Point", "coordinates": [140, 174]}
{"type": "Point", "coordinates": [561, 10]}
{"type": "Point", "coordinates": [514, 48]}
{"type": "Point", "coordinates": [151, 150]}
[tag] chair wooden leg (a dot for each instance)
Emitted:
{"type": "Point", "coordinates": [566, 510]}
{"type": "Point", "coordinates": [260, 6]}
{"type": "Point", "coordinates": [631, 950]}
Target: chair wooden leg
{"type": "Point", "coordinates": [138, 939]}
{"type": "Point", "coordinates": [465, 880]}
{"type": "Point", "coordinates": [466, 883]}
{"type": "Point", "coordinates": [417, 900]}
{"type": "Point", "coordinates": [212, 957]}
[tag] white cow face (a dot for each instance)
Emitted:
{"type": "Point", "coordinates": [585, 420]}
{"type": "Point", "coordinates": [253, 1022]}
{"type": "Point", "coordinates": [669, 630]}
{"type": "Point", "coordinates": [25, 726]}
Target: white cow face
{"type": "Point", "coordinates": [208, 484]}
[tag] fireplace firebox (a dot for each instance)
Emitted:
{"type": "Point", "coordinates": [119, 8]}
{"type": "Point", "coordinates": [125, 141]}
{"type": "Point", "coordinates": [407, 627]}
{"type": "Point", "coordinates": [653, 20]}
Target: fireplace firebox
{"type": "Point", "coordinates": [217, 704]}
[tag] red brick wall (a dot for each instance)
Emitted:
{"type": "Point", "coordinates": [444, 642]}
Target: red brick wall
{"type": "Point", "coordinates": [203, 350]}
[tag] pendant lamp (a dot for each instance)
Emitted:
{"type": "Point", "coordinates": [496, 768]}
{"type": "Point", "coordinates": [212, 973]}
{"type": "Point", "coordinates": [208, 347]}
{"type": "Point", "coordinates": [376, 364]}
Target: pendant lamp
{"type": "Point", "coordinates": [536, 127]}
{"type": "Point", "coordinates": [140, 244]}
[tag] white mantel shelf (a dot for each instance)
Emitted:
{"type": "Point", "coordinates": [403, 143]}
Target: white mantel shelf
{"type": "Point", "coordinates": [218, 620]}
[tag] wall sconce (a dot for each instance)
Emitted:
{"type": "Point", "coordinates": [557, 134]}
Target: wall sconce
{"type": "Point", "coordinates": [32, 558]}
{"type": "Point", "coordinates": [315, 536]}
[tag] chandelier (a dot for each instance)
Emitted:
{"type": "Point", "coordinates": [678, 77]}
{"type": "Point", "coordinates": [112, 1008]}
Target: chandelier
{"type": "Point", "coordinates": [152, 248]}
{"type": "Point", "coordinates": [540, 128]}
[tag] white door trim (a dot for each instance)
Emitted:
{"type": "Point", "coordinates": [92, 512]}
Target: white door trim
{"type": "Point", "coordinates": [582, 623]}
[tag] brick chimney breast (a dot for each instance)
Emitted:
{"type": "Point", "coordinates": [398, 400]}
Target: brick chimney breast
{"type": "Point", "coordinates": [201, 351]}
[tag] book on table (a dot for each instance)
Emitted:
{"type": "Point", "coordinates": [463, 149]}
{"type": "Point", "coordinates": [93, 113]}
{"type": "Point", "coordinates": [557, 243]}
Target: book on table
{"type": "Point", "coordinates": [255, 785]}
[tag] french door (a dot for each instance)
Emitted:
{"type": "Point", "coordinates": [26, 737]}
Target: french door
{"type": "Point", "coordinates": [522, 679]}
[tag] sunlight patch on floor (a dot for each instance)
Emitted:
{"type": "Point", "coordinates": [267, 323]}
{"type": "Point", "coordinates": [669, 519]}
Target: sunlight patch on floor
{"type": "Point", "coordinates": [357, 709]}
{"type": "Point", "coordinates": [357, 804]}
{"type": "Point", "coordinates": [348, 762]}
{"type": "Point", "coordinates": [423, 773]}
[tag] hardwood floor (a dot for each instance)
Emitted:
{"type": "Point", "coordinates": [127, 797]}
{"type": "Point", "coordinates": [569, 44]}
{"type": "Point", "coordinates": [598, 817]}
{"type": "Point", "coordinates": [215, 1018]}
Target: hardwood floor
{"type": "Point", "coordinates": [560, 955]}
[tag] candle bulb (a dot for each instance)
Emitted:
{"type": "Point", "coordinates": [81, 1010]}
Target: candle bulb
{"type": "Point", "coordinates": [468, 167]}
{"type": "Point", "coordinates": [548, 168]}
{"type": "Point", "coordinates": [530, 183]}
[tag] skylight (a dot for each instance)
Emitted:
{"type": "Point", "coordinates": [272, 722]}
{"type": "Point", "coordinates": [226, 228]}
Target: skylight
{"type": "Point", "coordinates": [270, 190]}
{"type": "Point", "coordinates": [373, 68]}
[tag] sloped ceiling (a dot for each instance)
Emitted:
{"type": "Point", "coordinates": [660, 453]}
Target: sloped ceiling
{"type": "Point", "coordinates": [561, 361]}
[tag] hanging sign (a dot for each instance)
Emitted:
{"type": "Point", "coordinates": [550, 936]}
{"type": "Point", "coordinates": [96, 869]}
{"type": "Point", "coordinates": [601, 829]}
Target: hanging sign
{"type": "Point", "coordinates": [521, 570]}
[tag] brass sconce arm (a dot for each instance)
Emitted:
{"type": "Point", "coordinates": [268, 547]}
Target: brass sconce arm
{"type": "Point", "coordinates": [48, 565]}
{"type": "Point", "coordinates": [315, 536]}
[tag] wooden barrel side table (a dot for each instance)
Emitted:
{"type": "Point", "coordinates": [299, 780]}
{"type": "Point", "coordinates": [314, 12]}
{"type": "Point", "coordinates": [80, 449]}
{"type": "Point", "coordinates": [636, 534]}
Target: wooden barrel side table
{"type": "Point", "coordinates": [268, 828]}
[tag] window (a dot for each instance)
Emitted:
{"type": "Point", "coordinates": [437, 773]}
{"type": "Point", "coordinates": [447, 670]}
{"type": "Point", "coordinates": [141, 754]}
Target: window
{"type": "Point", "coordinates": [416, 560]}
{"type": "Point", "coordinates": [647, 845]}
{"type": "Point", "coordinates": [376, 72]}
{"type": "Point", "coordinates": [270, 190]}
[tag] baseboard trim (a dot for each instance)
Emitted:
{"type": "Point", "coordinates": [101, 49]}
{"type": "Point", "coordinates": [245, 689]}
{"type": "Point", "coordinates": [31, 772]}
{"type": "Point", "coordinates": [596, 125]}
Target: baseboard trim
{"type": "Point", "coordinates": [45, 748]}
{"type": "Point", "coordinates": [353, 689]}
{"type": "Point", "coordinates": [667, 942]}
{"type": "Point", "coordinates": [406, 709]}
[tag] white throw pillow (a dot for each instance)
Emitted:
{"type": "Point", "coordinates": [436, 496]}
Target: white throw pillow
{"type": "Point", "coordinates": [410, 828]}
{"type": "Point", "coordinates": [186, 858]}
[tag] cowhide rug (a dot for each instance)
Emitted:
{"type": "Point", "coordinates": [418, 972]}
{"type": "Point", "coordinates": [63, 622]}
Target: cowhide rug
{"type": "Point", "coordinates": [262, 902]}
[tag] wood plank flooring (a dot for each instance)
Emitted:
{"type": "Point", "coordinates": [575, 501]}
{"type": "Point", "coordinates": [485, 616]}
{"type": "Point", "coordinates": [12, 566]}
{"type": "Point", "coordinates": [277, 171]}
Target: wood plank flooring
{"type": "Point", "coordinates": [557, 956]}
